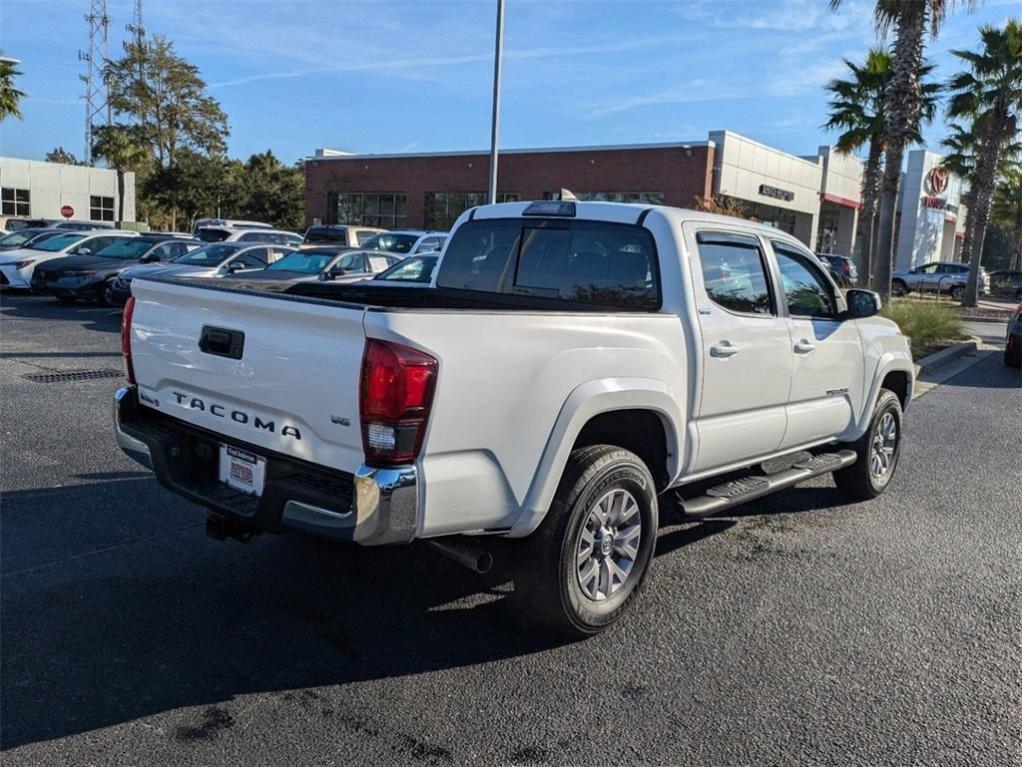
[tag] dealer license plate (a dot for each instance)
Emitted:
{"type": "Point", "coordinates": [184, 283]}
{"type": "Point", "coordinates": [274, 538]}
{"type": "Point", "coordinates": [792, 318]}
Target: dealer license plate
{"type": "Point", "coordinates": [242, 470]}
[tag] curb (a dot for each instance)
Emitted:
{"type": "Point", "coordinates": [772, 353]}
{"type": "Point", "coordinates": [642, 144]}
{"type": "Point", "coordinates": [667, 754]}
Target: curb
{"type": "Point", "coordinates": [989, 320]}
{"type": "Point", "coordinates": [937, 359]}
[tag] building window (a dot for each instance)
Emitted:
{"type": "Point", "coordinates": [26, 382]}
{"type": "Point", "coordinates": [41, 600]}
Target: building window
{"type": "Point", "coordinates": [101, 208]}
{"type": "Point", "coordinates": [15, 202]}
{"type": "Point", "coordinates": [384, 209]}
{"type": "Point", "coordinates": [651, 198]}
{"type": "Point", "coordinates": [443, 208]}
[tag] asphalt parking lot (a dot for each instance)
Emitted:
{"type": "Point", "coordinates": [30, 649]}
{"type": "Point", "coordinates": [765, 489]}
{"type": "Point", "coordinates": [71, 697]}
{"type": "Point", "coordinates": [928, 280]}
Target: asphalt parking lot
{"type": "Point", "coordinates": [801, 630]}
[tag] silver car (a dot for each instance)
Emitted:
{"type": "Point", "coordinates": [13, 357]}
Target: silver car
{"type": "Point", "coordinates": [938, 276]}
{"type": "Point", "coordinates": [217, 259]}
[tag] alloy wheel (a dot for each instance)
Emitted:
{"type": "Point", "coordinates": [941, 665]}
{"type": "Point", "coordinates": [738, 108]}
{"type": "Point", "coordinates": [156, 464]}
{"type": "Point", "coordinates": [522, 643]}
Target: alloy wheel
{"type": "Point", "coordinates": [608, 544]}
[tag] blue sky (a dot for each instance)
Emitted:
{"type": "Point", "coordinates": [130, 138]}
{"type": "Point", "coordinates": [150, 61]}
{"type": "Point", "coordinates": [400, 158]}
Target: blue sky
{"type": "Point", "coordinates": [417, 76]}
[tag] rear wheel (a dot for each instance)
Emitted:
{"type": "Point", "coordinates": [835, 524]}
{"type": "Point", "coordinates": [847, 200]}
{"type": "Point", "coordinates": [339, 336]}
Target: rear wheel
{"type": "Point", "coordinates": [587, 561]}
{"type": "Point", "coordinates": [106, 293]}
{"type": "Point", "coordinates": [876, 451]}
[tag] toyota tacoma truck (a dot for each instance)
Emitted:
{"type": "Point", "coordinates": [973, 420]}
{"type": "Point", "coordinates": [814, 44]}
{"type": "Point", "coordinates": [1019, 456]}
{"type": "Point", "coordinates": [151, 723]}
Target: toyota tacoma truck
{"type": "Point", "coordinates": [573, 367]}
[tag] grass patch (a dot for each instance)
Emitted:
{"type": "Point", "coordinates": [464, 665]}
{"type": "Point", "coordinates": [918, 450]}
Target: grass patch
{"type": "Point", "coordinates": [930, 325]}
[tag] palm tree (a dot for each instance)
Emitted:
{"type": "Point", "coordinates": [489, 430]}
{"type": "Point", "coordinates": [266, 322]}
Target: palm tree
{"type": "Point", "coordinates": [10, 97]}
{"type": "Point", "coordinates": [1007, 209]}
{"type": "Point", "coordinates": [903, 104]}
{"type": "Point", "coordinates": [962, 146]}
{"type": "Point", "coordinates": [119, 146]}
{"type": "Point", "coordinates": [990, 93]}
{"type": "Point", "coordinates": [857, 109]}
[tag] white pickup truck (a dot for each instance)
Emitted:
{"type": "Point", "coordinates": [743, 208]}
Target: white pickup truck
{"type": "Point", "coordinates": [574, 366]}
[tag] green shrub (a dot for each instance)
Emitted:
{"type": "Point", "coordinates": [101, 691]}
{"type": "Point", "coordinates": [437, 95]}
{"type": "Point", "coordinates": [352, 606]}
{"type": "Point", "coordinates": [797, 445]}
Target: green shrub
{"type": "Point", "coordinates": [929, 324]}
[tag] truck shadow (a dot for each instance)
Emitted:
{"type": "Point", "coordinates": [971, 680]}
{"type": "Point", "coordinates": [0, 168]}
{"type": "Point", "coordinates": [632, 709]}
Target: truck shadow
{"type": "Point", "coordinates": [174, 620]}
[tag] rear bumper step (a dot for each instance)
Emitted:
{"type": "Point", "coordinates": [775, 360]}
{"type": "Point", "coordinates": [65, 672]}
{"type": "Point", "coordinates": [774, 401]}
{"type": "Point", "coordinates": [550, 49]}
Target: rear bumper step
{"type": "Point", "coordinates": [744, 489]}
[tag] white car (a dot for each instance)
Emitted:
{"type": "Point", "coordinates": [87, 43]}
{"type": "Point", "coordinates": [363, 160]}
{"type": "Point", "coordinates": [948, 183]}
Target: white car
{"type": "Point", "coordinates": [17, 266]}
{"type": "Point", "coordinates": [228, 222]}
{"type": "Point", "coordinates": [407, 243]}
{"type": "Point", "coordinates": [248, 235]}
{"type": "Point", "coordinates": [573, 366]}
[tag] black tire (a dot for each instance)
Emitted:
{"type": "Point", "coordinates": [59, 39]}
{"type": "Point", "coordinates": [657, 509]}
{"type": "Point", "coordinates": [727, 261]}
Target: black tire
{"type": "Point", "coordinates": [105, 296]}
{"type": "Point", "coordinates": [899, 288]}
{"type": "Point", "coordinates": [548, 588]}
{"type": "Point", "coordinates": [957, 292]}
{"type": "Point", "coordinates": [858, 480]}
{"type": "Point", "coordinates": [66, 300]}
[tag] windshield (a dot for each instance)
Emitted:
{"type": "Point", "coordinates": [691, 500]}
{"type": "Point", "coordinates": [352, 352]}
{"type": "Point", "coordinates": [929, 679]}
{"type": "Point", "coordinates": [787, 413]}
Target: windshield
{"type": "Point", "coordinates": [415, 269]}
{"type": "Point", "coordinates": [59, 242]}
{"type": "Point", "coordinates": [132, 249]}
{"type": "Point", "coordinates": [392, 243]}
{"type": "Point", "coordinates": [213, 235]}
{"type": "Point", "coordinates": [303, 261]}
{"type": "Point", "coordinates": [18, 238]}
{"type": "Point", "coordinates": [213, 254]}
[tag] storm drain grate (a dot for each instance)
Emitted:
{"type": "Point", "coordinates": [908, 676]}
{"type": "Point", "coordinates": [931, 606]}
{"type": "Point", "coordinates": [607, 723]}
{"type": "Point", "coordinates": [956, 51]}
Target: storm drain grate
{"type": "Point", "coordinates": [73, 375]}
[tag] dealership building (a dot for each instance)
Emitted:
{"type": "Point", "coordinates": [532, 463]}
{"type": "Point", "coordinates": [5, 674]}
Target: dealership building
{"type": "Point", "coordinates": [34, 189]}
{"type": "Point", "coordinates": [815, 197]}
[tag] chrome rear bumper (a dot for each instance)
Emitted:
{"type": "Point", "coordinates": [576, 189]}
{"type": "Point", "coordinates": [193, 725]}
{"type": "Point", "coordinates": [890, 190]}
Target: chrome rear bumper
{"type": "Point", "coordinates": [383, 509]}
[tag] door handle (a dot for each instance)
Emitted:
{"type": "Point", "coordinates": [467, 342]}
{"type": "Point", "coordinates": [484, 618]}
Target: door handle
{"type": "Point", "coordinates": [804, 346]}
{"type": "Point", "coordinates": [723, 349]}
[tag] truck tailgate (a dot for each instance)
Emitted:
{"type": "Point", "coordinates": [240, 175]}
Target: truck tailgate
{"type": "Point", "coordinates": [291, 387]}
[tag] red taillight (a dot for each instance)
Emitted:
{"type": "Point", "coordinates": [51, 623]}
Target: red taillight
{"type": "Point", "coordinates": [129, 309]}
{"type": "Point", "coordinates": [395, 396]}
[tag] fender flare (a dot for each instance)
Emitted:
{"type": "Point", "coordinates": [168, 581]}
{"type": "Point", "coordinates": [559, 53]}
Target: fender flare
{"type": "Point", "coordinates": [587, 400]}
{"type": "Point", "coordinates": [890, 362]}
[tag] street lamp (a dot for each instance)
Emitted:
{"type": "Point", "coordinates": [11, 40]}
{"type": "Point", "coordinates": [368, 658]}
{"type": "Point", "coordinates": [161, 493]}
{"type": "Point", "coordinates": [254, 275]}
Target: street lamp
{"type": "Point", "coordinates": [498, 57]}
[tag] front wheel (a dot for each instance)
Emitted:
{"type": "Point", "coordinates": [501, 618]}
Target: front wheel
{"type": "Point", "coordinates": [586, 562]}
{"type": "Point", "coordinates": [876, 451]}
{"type": "Point", "coordinates": [898, 288]}
{"type": "Point", "coordinates": [957, 292]}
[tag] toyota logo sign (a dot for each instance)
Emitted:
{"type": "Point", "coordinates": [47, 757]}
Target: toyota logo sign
{"type": "Point", "coordinates": [937, 180]}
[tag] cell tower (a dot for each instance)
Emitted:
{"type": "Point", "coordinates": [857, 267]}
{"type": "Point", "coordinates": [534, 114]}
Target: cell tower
{"type": "Point", "coordinates": [97, 102]}
{"type": "Point", "coordinates": [136, 27]}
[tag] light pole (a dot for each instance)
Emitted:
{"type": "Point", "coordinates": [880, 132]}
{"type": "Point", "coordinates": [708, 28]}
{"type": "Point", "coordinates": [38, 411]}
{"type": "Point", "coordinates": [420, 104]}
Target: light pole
{"type": "Point", "coordinates": [498, 57]}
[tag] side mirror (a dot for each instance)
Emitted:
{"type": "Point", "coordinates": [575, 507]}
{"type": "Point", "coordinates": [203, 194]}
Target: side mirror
{"type": "Point", "coordinates": [152, 258]}
{"type": "Point", "coordinates": [861, 303]}
{"type": "Point", "coordinates": [85, 252]}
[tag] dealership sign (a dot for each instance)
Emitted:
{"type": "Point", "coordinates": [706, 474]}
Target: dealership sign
{"type": "Point", "coordinates": [778, 194]}
{"type": "Point", "coordinates": [937, 180]}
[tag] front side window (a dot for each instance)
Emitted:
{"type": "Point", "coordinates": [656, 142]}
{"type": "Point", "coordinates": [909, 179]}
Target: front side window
{"type": "Point", "coordinates": [15, 202]}
{"type": "Point", "coordinates": [928, 269]}
{"type": "Point", "coordinates": [101, 208]}
{"type": "Point", "coordinates": [734, 274]}
{"type": "Point", "coordinates": [592, 262]}
{"type": "Point", "coordinates": [806, 289]}
{"type": "Point", "coordinates": [415, 269]}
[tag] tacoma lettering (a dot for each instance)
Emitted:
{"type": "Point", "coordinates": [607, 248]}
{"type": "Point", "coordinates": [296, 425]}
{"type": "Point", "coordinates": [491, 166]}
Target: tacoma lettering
{"type": "Point", "coordinates": [238, 416]}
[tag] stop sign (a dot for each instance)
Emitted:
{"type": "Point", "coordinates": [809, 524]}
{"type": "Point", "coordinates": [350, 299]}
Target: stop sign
{"type": "Point", "coordinates": [67, 211]}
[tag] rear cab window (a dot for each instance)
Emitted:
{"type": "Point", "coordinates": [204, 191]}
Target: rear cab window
{"type": "Point", "coordinates": [734, 273]}
{"type": "Point", "coordinates": [574, 261]}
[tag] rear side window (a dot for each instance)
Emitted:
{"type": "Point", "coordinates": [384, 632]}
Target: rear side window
{"type": "Point", "coordinates": [592, 262]}
{"type": "Point", "coordinates": [734, 272]}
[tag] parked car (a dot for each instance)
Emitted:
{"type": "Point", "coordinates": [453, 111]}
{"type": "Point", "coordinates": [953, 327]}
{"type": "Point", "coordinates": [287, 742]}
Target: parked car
{"type": "Point", "coordinates": [92, 277]}
{"type": "Point", "coordinates": [214, 259]}
{"type": "Point", "coordinates": [842, 269]}
{"type": "Point", "coordinates": [23, 238]}
{"type": "Point", "coordinates": [1004, 283]}
{"type": "Point", "coordinates": [1013, 340]}
{"type": "Point", "coordinates": [575, 365]}
{"type": "Point", "coordinates": [18, 265]}
{"type": "Point", "coordinates": [228, 222]}
{"type": "Point", "coordinates": [414, 271]}
{"type": "Point", "coordinates": [340, 234]}
{"type": "Point", "coordinates": [943, 276]}
{"type": "Point", "coordinates": [325, 263]}
{"type": "Point", "coordinates": [81, 226]}
{"type": "Point", "coordinates": [15, 224]}
{"type": "Point", "coordinates": [230, 234]}
{"type": "Point", "coordinates": [407, 243]}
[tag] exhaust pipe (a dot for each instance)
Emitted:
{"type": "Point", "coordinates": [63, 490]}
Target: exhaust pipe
{"type": "Point", "coordinates": [475, 559]}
